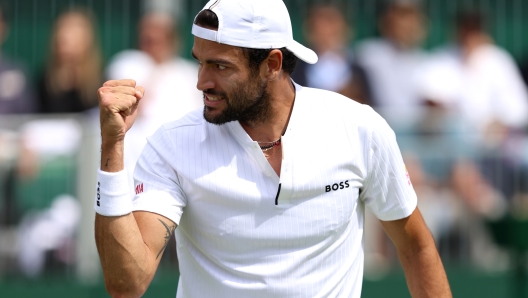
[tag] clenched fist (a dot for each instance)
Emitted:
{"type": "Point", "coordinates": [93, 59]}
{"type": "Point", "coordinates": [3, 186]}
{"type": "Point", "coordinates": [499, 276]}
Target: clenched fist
{"type": "Point", "coordinates": [118, 102]}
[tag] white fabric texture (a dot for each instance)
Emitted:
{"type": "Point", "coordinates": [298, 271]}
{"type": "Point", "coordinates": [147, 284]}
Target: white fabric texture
{"type": "Point", "coordinates": [238, 237]}
{"type": "Point", "coordinates": [254, 24]}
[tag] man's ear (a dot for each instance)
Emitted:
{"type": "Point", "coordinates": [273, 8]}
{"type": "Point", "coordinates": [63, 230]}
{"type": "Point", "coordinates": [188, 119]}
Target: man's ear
{"type": "Point", "coordinates": [274, 64]}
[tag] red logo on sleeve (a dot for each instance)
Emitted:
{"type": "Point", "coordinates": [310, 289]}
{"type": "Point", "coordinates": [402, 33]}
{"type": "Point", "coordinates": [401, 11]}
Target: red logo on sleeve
{"type": "Point", "coordinates": [139, 188]}
{"type": "Point", "coordinates": [406, 175]}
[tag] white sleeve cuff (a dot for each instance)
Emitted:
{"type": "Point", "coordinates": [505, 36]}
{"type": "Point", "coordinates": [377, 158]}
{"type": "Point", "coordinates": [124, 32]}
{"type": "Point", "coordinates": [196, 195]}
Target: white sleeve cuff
{"type": "Point", "coordinates": [113, 196]}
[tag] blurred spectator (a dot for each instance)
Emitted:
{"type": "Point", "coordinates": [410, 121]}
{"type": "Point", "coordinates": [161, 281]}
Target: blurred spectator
{"type": "Point", "coordinates": [479, 202]}
{"type": "Point", "coordinates": [16, 97]}
{"type": "Point", "coordinates": [73, 74]}
{"type": "Point", "coordinates": [391, 63]}
{"type": "Point", "coordinates": [68, 84]}
{"type": "Point", "coordinates": [15, 94]}
{"type": "Point", "coordinates": [46, 238]}
{"type": "Point", "coordinates": [328, 33]}
{"type": "Point", "coordinates": [478, 80]}
{"type": "Point", "coordinates": [169, 81]}
{"type": "Point", "coordinates": [393, 60]}
{"type": "Point", "coordinates": [478, 84]}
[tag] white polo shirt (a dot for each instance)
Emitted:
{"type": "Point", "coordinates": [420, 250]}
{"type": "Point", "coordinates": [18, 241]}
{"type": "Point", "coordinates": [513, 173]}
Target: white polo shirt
{"type": "Point", "coordinates": [238, 235]}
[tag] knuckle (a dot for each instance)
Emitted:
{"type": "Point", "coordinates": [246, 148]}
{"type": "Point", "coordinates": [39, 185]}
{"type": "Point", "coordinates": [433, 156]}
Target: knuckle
{"type": "Point", "coordinates": [130, 90]}
{"type": "Point", "coordinates": [108, 83]}
{"type": "Point", "coordinates": [101, 92]}
{"type": "Point", "coordinates": [127, 83]}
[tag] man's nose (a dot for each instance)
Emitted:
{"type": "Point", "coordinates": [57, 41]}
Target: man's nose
{"type": "Point", "coordinates": [205, 81]}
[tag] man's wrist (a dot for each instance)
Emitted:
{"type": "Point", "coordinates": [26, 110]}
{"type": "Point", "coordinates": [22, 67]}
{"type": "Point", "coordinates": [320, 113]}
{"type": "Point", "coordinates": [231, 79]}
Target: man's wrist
{"type": "Point", "coordinates": [112, 155]}
{"type": "Point", "coordinates": [112, 143]}
{"type": "Point", "coordinates": [113, 194]}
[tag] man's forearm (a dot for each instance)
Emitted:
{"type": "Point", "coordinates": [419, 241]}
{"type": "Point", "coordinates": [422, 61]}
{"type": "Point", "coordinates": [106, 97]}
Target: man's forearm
{"type": "Point", "coordinates": [416, 248]}
{"type": "Point", "coordinates": [112, 158]}
{"type": "Point", "coordinates": [128, 265]}
{"type": "Point", "coordinates": [425, 273]}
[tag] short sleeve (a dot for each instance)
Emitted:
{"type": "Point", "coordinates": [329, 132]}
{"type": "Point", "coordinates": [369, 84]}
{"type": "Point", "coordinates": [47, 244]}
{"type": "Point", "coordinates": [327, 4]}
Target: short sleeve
{"type": "Point", "coordinates": [156, 183]}
{"type": "Point", "coordinates": [387, 190]}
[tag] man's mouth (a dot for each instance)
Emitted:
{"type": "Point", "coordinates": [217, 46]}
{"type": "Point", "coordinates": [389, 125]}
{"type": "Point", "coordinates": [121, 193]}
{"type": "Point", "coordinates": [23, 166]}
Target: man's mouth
{"type": "Point", "coordinates": [212, 101]}
{"type": "Point", "coordinates": [213, 97]}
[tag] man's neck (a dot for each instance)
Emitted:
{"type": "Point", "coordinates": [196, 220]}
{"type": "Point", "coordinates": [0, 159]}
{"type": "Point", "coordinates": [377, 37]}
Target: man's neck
{"type": "Point", "coordinates": [282, 94]}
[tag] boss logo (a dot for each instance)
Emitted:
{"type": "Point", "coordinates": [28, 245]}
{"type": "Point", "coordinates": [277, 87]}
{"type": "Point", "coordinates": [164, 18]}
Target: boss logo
{"type": "Point", "coordinates": [337, 186]}
{"type": "Point", "coordinates": [98, 194]}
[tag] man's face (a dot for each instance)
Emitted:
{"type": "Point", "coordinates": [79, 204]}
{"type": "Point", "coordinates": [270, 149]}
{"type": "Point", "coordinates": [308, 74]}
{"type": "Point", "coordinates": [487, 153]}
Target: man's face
{"type": "Point", "coordinates": [327, 29]}
{"type": "Point", "coordinates": [404, 24]}
{"type": "Point", "coordinates": [156, 36]}
{"type": "Point", "coordinates": [231, 90]}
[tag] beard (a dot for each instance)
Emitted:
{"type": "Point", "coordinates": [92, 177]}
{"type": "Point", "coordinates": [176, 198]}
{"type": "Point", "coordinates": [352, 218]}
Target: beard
{"type": "Point", "coordinates": [249, 103]}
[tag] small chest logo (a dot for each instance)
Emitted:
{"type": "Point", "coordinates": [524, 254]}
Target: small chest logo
{"type": "Point", "coordinates": [139, 188]}
{"type": "Point", "coordinates": [337, 186]}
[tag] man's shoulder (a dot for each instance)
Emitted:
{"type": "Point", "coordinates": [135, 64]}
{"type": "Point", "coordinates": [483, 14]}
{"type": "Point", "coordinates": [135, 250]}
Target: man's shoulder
{"type": "Point", "coordinates": [191, 119]}
{"type": "Point", "coordinates": [187, 127]}
{"type": "Point", "coordinates": [326, 105]}
{"type": "Point", "coordinates": [331, 102]}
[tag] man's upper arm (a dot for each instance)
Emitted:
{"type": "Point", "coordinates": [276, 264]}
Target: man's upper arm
{"type": "Point", "coordinates": [156, 231]}
{"type": "Point", "coordinates": [157, 184]}
{"type": "Point", "coordinates": [408, 232]}
{"type": "Point", "coordinates": [416, 248]}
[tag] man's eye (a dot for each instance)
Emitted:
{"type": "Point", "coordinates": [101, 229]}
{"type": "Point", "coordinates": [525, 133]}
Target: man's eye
{"type": "Point", "coordinates": [221, 67]}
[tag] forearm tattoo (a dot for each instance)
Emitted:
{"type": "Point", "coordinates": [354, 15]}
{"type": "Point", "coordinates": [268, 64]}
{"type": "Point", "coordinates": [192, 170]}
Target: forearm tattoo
{"type": "Point", "coordinates": [170, 230]}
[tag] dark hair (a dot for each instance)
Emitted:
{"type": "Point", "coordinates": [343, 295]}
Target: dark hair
{"type": "Point", "coordinates": [386, 6]}
{"type": "Point", "coordinates": [208, 19]}
{"type": "Point", "coordinates": [341, 9]}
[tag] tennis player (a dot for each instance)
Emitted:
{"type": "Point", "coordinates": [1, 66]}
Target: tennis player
{"type": "Point", "coordinates": [266, 187]}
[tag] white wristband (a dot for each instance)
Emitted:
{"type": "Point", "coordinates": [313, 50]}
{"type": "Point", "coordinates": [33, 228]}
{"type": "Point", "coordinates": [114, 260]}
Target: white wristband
{"type": "Point", "coordinates": [113, 194]}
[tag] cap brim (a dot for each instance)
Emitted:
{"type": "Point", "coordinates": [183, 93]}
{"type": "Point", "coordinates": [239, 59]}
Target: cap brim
{"type": "Point", "coordinates": [303, 53]}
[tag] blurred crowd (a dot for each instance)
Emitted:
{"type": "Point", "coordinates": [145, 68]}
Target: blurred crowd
{"type": "Point", "coordinates": [460, 113]}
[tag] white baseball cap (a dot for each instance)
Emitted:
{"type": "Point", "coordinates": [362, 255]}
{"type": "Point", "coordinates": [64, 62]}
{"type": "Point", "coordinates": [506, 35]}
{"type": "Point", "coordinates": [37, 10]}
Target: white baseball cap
{"type": "Point", "coordinates": [256, 24]}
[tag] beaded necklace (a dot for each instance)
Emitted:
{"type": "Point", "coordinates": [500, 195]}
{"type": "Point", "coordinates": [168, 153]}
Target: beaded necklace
{"type": "Point", "coordinates": [271, 145]}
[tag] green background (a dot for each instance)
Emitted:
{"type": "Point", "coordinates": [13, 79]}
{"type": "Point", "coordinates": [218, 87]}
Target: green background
{"type": "Point", "coordinates": [31, 23]}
